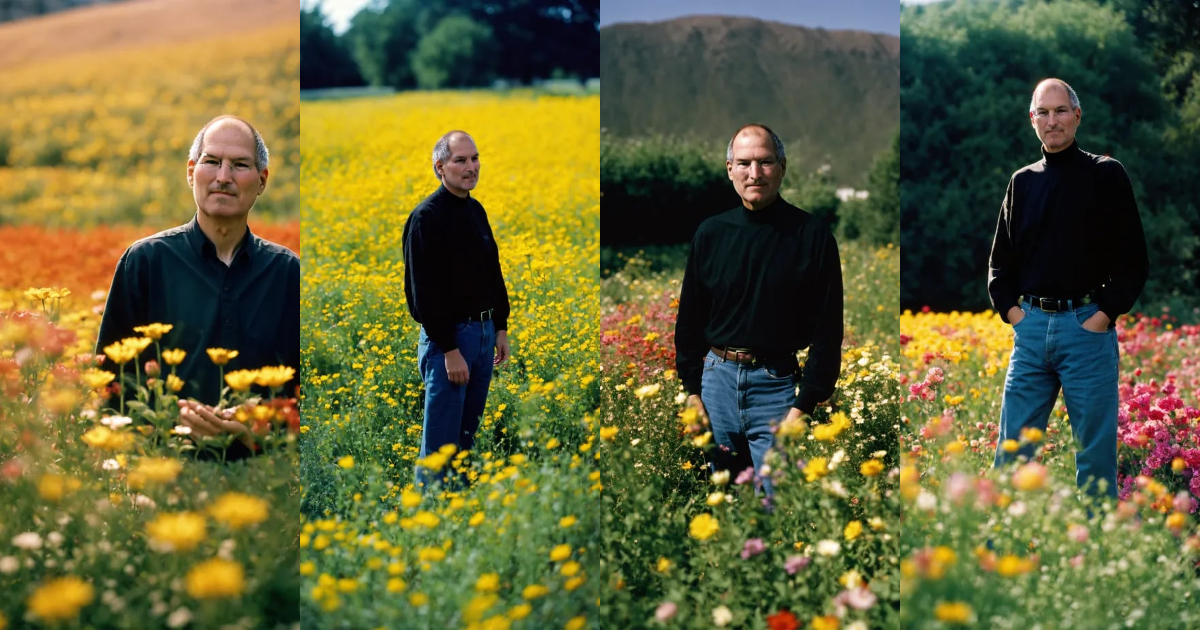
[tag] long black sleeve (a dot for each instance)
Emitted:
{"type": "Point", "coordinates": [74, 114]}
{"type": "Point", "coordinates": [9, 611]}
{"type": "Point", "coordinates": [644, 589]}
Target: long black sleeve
{"type": "Point", "coordinates": [1130, 262]}
{"type": "Point", "coordinates": [1003, 269]}
{"type": "Point", "coordinates": [427, 284]}
{"type": "Point", "coordinates": [825, 354]}
{"type": "Point", "coordinates": [690, 343]}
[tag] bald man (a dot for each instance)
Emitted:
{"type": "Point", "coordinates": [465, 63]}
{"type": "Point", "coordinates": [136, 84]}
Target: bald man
{"type": "Point", "coordinates": [1068, 258]}
{"type": "Point", "coordinates": [217, 284]}
{"type": "Point", "coordinates": [455, 290]}
{"type": "Point", "coordinates": [763, 281]}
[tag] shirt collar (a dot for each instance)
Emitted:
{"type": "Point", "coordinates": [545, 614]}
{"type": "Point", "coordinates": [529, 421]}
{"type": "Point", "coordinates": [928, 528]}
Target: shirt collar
{"type": "Point", "coordinates": [1066, 156]}
{"type": "Point", "coordinates": [200, 243]}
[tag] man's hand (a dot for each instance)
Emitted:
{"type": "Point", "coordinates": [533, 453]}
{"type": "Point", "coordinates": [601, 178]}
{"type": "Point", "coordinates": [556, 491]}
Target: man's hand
{"type": "Point", "coordinates": [206, 421]}
{"type": "Point", "coordinates": [1015, 315]}
{"type": "Point", "coordinates": [696, 403]}
{"type": "Point", "coordinates": [793, 413]}
{"type": "Point", "coordinates": [1098, 322]}
{"type": "Point", "coordinates": [502, 350]}
{"type": "Point", "coordinates": [456, 367]}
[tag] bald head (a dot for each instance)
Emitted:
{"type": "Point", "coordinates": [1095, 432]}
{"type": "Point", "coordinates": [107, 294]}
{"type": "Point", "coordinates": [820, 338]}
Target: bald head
{"type": "Point", "coordinates": [261, 155]}
{"type": "Point", "coordinates": [1055, 114]}
{"type": "Point", "coordinates": [1053, 85]}
{"type": "Point", "coordinates": [456, 162]}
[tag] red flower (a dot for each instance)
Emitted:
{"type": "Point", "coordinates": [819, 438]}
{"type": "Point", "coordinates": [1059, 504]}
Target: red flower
{"type": "Point", "coordinates": [783, 620]}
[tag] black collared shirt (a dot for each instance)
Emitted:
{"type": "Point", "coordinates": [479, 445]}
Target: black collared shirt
{"type": "Point", "coordinates": [769, 280]}
{"type": "Point", "coordinates": [451, 266]}
{"type": "Point", "coordinates": [1069, 225]}
{"type": "Point", "coordinates": [174, 277]}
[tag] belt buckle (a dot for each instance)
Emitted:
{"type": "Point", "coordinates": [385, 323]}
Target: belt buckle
{"type": "Point", "coordinates": [1053, 305]}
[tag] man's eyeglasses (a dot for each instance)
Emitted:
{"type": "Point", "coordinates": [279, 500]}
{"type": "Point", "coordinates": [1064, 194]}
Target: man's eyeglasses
{"type": "Point", "coordinates": [1058, 113]}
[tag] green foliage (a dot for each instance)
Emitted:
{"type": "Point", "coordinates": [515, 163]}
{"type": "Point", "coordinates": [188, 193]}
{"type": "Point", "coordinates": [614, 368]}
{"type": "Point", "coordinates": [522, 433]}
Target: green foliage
{"type": "Point", "coordinates": [325, 60]}
{"type": "Point", "coordinates": [967, 73]}
{"type": "Point", "coordinates": [458, 52]}
{"type": "Point", "coordinates": [877, 218]}
{"type": "Point", "coordinates": [381, 40]}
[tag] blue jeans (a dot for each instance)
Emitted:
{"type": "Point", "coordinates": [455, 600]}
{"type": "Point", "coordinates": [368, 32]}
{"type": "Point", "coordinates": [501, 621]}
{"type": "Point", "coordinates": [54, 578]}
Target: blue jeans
{"type": "Point", "coordinates": [1053, 350]}
{"type": "Point", "coordinates": [743, 401]}
{"type": "Point", "coordinates": [453, 412]}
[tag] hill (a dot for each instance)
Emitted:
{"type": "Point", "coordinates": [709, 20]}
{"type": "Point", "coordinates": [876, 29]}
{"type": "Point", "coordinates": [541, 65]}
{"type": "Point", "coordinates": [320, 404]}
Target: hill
{"type": "Point", "coordinates": [833, 96]}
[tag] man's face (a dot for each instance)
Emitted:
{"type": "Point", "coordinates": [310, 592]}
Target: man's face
{"type": "Point", "coordinates": [224, 180]}
{"type": "Point", "coordinates": [1053, 118]}
{"type": "Point", "coordinates": [460, 172]}
{"type": "Point", "coordinates": [755, 172]}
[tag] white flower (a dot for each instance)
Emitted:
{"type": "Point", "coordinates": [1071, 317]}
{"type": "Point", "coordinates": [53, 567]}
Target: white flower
{"type": "Point", "coordinates": [837, 459]}
{"type": "Point", "coordinates": [9, 565]}
{"type": "Point", "coordinates": [926, 501]}
{"type": "Point", "coordinates": [680, 398]}
{"type": "Point", "coordinates": [54, 539]}
{"type": "Point", "coordinates": [87, 414]}
{"type": "Point", "coordinates": [857, 625]}
{"type": "Point", "coordinates": [721, 477]}
{"type": "Point", "coordinates": [828, 548]}
{"type": "Point", "coordinates": [182, 430]}
{"type": "Point", "coordinates": [28, 540]}
{"type": "Point", "coordinates": [835, 488]}
{"type": "Point", "coordinates": [1018, 508]}
{"type": "Point", "coordinates": [144, 501]}
{"type": "Point", "coordinates": [179, 618]}
{"type": "Point", "coordinates": [111, 464]}
{"type": "Point", "coordinates": [722, 616]}
{"type": "Point", "coordinates": [765, 470]}
{"type": "Point", "coordinates": [116, 422]}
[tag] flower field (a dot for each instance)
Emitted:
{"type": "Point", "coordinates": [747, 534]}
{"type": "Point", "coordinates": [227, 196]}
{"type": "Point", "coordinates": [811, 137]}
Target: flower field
{"type": "Point", "coordinates": [109, 518]}
{"type": "Point", "coordinates": [1017, 547]}
{"type": "Point", "coordinates": [518, 548]}
{"type": "Point", "coordinates": [98, 139]}
{"type": "Point", "coordinates": [683, 548]}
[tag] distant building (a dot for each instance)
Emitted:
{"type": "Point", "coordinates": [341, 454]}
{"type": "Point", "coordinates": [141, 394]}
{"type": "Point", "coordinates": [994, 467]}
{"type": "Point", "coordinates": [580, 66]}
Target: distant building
{"type": "Point", "coordinates": [846, 194]}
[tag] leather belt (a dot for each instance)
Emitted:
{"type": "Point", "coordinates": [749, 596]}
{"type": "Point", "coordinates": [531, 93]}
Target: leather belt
{"type": "Point", "coordinates": [737, 355]}
{"type": "Point", "coordinates": [481, 316]}
{"type": "Point", "coordinates": [1058, 305]}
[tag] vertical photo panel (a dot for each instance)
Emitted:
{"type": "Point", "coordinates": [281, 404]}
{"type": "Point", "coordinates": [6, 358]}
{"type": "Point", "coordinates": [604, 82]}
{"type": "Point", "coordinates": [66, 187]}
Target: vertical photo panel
{"type": "Point", "coordinates": [149, 314]}
{"type": "Point", "coordinates": [749, 331]}
{"type": "Point", "coordinates": [1049, 226]}
{"type": "Point", "coordinates": [450, 224]}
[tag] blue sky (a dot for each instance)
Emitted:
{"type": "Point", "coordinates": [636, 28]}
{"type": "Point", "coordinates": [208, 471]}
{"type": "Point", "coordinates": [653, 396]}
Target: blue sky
{"type": "Point", "coordinates": [876, 16]}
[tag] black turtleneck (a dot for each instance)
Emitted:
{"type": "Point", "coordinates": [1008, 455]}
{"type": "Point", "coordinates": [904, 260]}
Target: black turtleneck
{"type": "Point", "coordinates": [769, 280]}
{"type": "Point", "coordinates": [1069, 225]}
{"type": "Point", "coordinates": [451, 266]}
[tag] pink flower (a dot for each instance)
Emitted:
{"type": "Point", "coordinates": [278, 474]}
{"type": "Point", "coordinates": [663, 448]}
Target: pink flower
{"type": "Point", "coordinates": [1077, 533]}
{"type": "Point", "coordinates": [860, 598]}
{"type": "Point", "coordinates": [665, 611]}
{"type": "Point", "coordinates": [745, 476]}
{"type": "Point", "coordinates": [752, 548]}
{"type": "Point", "coordinates": [1182, 503]}
{"type": "Point", "coordinates": [796, 563]}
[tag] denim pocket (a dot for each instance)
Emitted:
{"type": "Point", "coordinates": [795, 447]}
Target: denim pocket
{"type": "Point", "coordinates": [1082, 315]}
{"type": "Point", "coordinates": [710, 362]}
{"type": "Point", "coordinates": [779, 372]}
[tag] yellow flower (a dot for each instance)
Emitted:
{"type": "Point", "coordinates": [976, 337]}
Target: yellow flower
{"type": "Point", "coordinates": [238, 510]}
{"type": "Point", "coordinates": [431, 554]}
{"type": "Point", "coordinates": [793, 427]}
{"type": "Point", "coordinates": [552, 443]}
{"type": "Point", "coordinates": [715, 499]}
{"type": "Point", "coordinates": [560, 552]}
{"type": "Point", "coordinates": [816, 468]}
{"type": "Point", "coordinates": [608, 433]}
{"type": "Point", "coordinates": [488, 583]}
{"type": "Point", "coordinates": [647, 391]}
{"type": "Point", "coordinates": [153, 331]}
{"type": "Point", "coordinates": [853, 530]}
{"type": "Point", "coordinates": [476, 519]}
{"type": "Point", "coordinates": [827, 432]}
{"type": "Point", "coordinates": [827, 622]}
{"type": "Point", "coordinates": [215, 579]}
{"type": "Point", "coordinates": [1176, 521]}
{"type": "Point", "coordinates": [569, 569]}
{"type": "Point", "coordinates": [574, 583]}
{"type": "Point", "coordinates": [567, 521]}
{"type": "Point", "coordinates": [136, 344]}
{"type": "Point", "coordinates": [60, 599]}
{"type": "Point", "coordinates": [519, 612]}
{"type": "Point", "coordinates": [1012, 566]}
{"type": "Point", "coordinates": [308, 567]}
{"type": "Point", "coordinates": [418, 599]}
{"type": "Point", "coordinates": [173, 357]}
{"type": "Point", "coordinates": [576, 623]}
{"type": "Point", "coordinates": [1010, 446]}
{"type": "Point", "coordinates": [1032, 434]}
{"type": "Point", "coordinates": [241, 380]}
{"type": "Point", "coordinates": [106, 439]}
{"type": "Point", "coordinates": [427, 519]}
{"type": "Point", "coordinates": [221, 356]}
{"type": "Point", "coordinates": [953, 612]}
{"type": "Point", "coordinates": [154, 470]}
{"type": "Point", "coordinates": [871, 468]}
{"type": "Point", "coordinates": [702, 440]}
{"type": "Point", "coordinates": [534, 591]}
{"type": "Point", "coordinates": [346, 462]}
{"type": "Point", "coordinates": [1028, 477]}
{"type": "Point", "coordinates": [410, 499]}
{"type": "Point", "coordinates": [174, 383]}
{"type": "Point", "coordinates": [663, 565]}
{"type": "Point", "coordinates": [703, 527]}
{"type": "Point", "coordinates": [274, 376]}
{"type": "Point", "coordinates": [53, 487]}
{"type": "Point", "coordinates": [120, 353]}
{"type": "Point", "coordinates": [180, 531]}
{"type": "Point", "coordinates": [474, 610]}
{"type": "Point", "coordinates": [97, 379]}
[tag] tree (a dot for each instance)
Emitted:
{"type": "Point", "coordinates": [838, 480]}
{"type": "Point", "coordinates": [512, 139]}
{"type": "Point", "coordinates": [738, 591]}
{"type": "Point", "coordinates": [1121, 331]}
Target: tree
{"type": "Point", "coordinates": [458, 52]}
{"type": "Point", "coordinates": [381, 37]}
{"type": "Point", "coordinates": [877, 218]}
{"type": "Point", "coordinates": [324, 59]}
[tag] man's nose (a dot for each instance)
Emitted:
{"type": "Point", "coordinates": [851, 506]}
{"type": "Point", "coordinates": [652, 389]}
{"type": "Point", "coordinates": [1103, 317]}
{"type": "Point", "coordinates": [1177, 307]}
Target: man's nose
{"type": "Point", "coordinates": [224, 172]}
{"type": "Point", "coordinates": [755, 170]}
